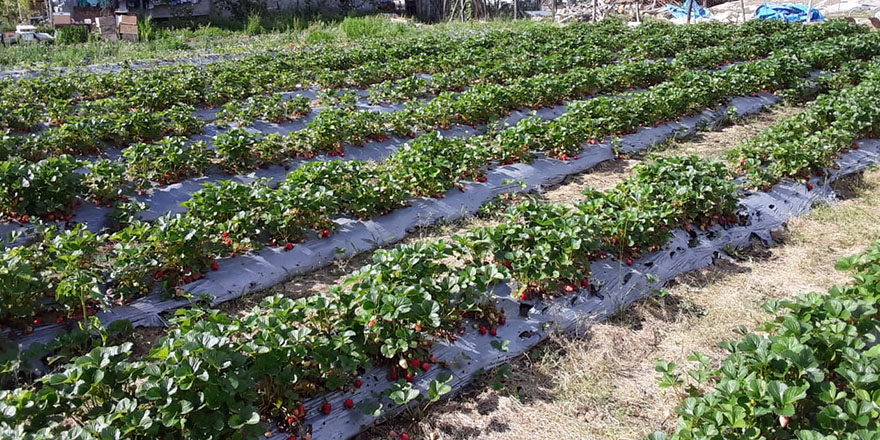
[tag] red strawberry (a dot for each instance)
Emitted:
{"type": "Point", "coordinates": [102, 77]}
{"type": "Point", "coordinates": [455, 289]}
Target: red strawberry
{"type": "Point", "coordinates": [325, 233]}
{"type": "Point", "coordinates": [493, 331]}
{"type": "Point", "coordinates": [159, 275]}
{"type": "Point", "coordinates": [409, 378]}
{"type": "Point", "coordinates": [292, 437]}
{"type": "Point", "coordinates": [687, 227]}
{"type": "Point", "coordinates": [273, 242]}
{"type": "Point", "coordinates": [358, 383]}
{"type": "Point", "coordinates": [404, 436]}
{"type": "Point", "coordinates": [524, 296]}
{"type": "Point", "coordinates": [426, 366]}
{"type": "Point", "coordinates": [809, 187]}
{"type": "Point", "coordinates": [326, 408]}
{"type": "Point", "coordinates": [214, 265]}
{"type": "Point", "coordinates": [483, 330]}
{"type": "Point", "coordinates": [38, 322]}
{"type": "Point", "coordinates": [585, 283]}
{"type": "Point", "coordinates": [629, 262]}
{"type": "Point", "coordinates": [393, 376]}
{"type": "Point", "coordinates": [349, 403]}
{"type": "Point", "coordinates": [433, 359]}
{"type": "Point", "coordinates": [288, 246]}
{"type": "Point", "coordinates": [59, 320]}
{"type": "Point", "coordinates": [502, 320]}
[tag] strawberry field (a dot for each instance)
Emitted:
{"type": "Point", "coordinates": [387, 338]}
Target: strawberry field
{"type": "Point", "coordinates": [149, 198]}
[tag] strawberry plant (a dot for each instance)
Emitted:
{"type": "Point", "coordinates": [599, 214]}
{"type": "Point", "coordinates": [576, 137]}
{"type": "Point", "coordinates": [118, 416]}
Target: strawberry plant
{"type": "Point", "coordinates": [431, 164]}
{"type": "Point", "coordinates": [105, 181]}
{"type": "Point", "coordinates": [361, 189]}
{"type": "Point", "coordinates": [39, 188]}
{"type": "Point", "coordinates": [167, 161]}
{"type": "Point", "coordinates": [272, 108]}
{"type": "Point", "coordinates": [808, 373]}
{"type": "Point", "coordinates": [234, 147]}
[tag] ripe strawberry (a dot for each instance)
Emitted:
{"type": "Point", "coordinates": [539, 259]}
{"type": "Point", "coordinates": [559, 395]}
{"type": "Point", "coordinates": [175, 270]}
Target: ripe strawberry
{"type": "Point", "coordinates": [326, 408]}
{"type": "Point", "coordinates": [358, 383]}
{"type": "Point", "coordinates": [629, 262]}
{"type": "Point", "coordinates": [59, 320]}
{"type": "Point", "coordinates": [393, 376]}
{"type": "Point", "coordinates": [404, 436]}
{"type": "Point", "coordinates": [809, 187]}
{"type": "Point", "coordinates": [288, 246]}
{"type": "Point", "coordinates": [291, 420]}
{"type": "Point", "coordinates": [433, 359]}
{"type": "Point", "coordinates": [493, 331]}
{"type": "Point", "coordinates": [273, 242]}
{"type": "Point", "coordinates": [585, 283]}
{"type": "Point", "coordinates": [325, 233]}
{"type": "Point", "coordinates": [502, 320]}
{"type": "Point", "coordinates": [524, 296]}
{"type": "Point", "coordinates": [160, 275]}
{"type": "Point", "coordinates": [426, 366]}
{"type": "Point", "coordinates": [409, 378]}
{"type": "Point", "coordinates": [292, 437]}
{"type": "Point", "coordinates": [687, 227]}
{"type": "Point", "coordinates": [38, 322]}
{"type": "Point", "coordinates": [214, 265]}
{"type": "Point", "coordinates": [349, 403]}
{"type": "Point", "coordinates": [483, 330]}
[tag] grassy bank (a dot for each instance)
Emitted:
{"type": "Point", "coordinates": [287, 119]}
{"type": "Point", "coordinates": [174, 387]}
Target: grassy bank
{"type": "Point", "coordinates": [255, 34]}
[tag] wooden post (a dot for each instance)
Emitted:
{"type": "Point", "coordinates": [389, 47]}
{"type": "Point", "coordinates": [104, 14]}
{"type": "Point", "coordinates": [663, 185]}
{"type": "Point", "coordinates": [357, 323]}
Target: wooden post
{"type": "Point", "coordinates": [595, 10]}
{"type": "Point", "coordinates": [690, 10]}
{"type": "Point", "coordinates": [638, 12]}
{"type": "Point", "coordinates": [809, 10]}
{"type": "Point", "coordinates": [515, 9]}
{"type": "Point", "coordinates": [742, 5]}
{"type": "Point", "coordinates": [553, 3]}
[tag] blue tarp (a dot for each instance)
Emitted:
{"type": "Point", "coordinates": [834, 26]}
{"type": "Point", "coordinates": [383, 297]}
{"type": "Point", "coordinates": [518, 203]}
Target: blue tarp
{"type": "Point", "coordinates": [776, 11]}
{"type": "Point", "coordinates": [682, 11]}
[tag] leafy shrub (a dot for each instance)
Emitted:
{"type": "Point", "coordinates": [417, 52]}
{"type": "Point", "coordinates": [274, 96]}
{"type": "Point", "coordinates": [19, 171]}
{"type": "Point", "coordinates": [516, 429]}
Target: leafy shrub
{"type": "Point", "coordinates": [811, 373]}
{"type": "Point", "coordinates": [72, 35]}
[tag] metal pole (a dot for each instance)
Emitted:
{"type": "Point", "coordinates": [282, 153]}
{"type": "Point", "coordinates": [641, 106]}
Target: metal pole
{"type": "Point", "coordinates": [515, 9]}
{"type": "Point", "coordinates": [690, 10]}
{"type": "Point", "coordinates": [809, 10]}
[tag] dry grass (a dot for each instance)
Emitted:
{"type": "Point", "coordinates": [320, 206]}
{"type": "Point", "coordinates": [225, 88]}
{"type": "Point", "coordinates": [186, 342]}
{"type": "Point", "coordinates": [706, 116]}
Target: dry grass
{"type": "Point", "coordinates": [604, 386]}
{"type": "Point", "coordinates": [714, 143]}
